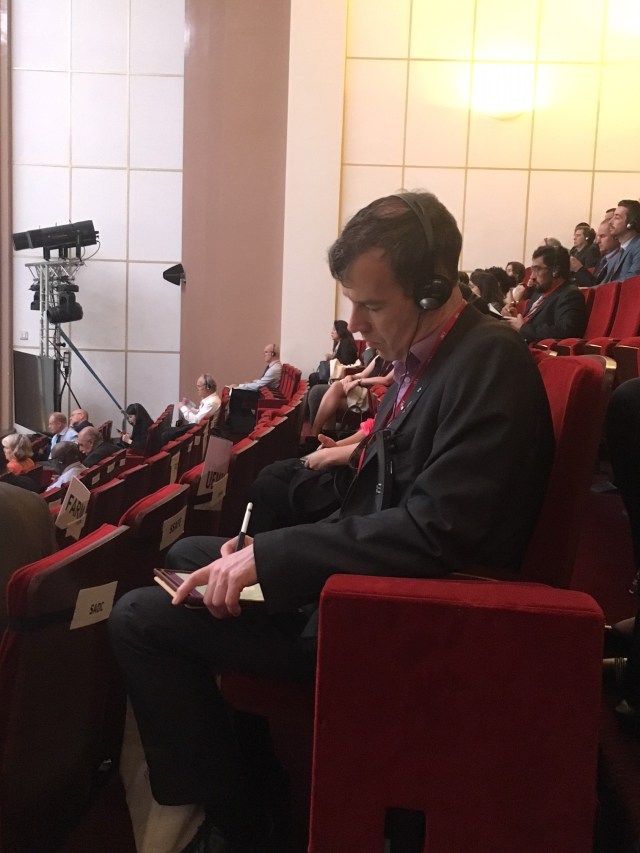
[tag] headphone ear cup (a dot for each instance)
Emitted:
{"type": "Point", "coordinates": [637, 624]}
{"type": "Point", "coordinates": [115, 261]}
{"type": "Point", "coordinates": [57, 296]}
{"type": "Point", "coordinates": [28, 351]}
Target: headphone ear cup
{"type": "Point", "coordinates": [432, 294]}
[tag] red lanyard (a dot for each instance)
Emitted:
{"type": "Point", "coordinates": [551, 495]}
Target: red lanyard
{"type": "Point", "coordinates": [444, 331]}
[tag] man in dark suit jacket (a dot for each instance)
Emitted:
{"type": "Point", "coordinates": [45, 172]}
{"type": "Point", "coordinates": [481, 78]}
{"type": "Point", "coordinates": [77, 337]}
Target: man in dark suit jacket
{"type": "Point", "coordinates": [463, 433]}
{"type": "Point", "coordinates": [556, 309]}
{"type": "Point", "coordinates": [93, 445]}
{"type": "Point", "coordinates": [609, 248]}
{"type": "Point", "coordinates": [625, 226]}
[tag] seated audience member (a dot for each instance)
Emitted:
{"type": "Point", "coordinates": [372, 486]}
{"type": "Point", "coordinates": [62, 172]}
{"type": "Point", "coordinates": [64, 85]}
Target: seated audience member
{"type": "Point", "coordinates": [66, 462]}
{"type": "Point", "coordinates": [486, 286]}
{"type": "Point", "coordinates": [473, 433]}
{"type": "Point", "coordinates": [18, 453]}
{"type": "Point", "coordinates": [271, 375]}
{"type": "Point", "coordinates": [584, 248]}
{"type": "Point", "coordinates": [625, 227]}
{"type": "Point", "coordinates": [27, 534]}
{"type": "Point", "coordinates": [350, 391]}
{"type": "Point", "coordinates": [556, 309]}
{"type": "Point", "coordinates": [93, 446]}
{"type": "Point", "coordinates": [516, 270]}
{"type": "Point", "coordinates": [344, 350]}
{"type": "Point", "coordinates": [79, 419]}
{"type": "Point", "coordinates": [60, 430]}
{"type": "Point", "coordinates": [140, 420]}
{"type": "Point", "coordinates": [505, 282]}
{"type": "Point", "coordinates": [209, 402]}
{"type": "Point", "coordinates": [608, 246]}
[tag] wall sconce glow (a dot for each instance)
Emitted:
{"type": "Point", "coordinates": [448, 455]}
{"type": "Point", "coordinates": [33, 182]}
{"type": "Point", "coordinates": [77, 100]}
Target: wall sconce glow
{"type": "Point", "coordinates": [503, 90]}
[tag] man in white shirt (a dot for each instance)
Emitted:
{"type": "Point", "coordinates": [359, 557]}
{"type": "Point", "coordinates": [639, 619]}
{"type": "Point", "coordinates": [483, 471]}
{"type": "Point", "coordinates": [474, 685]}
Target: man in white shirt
{"type": "Point", "coordinates": [272, 372]}
{"type": "Point", "coordinates": [209, 401]}
{"type": "Point", "coordinates": [60, 430]}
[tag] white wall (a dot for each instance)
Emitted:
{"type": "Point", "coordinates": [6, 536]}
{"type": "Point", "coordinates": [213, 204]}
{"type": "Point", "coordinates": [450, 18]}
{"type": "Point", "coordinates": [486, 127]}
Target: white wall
{"type": "Point", "coordinates": [97, 134]}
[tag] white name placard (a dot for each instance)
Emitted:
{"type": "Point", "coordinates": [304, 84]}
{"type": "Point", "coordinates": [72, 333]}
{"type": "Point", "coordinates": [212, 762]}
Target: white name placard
{"type": "Point", "coordinates": [93, 604]}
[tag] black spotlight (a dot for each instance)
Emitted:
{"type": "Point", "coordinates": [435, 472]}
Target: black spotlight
{"type": "Point", "coordinates": [69, 236]}
{"type": "Point", "coordinates": [174, 274]}
{"type": "Point", "coordinates": [66, 311]}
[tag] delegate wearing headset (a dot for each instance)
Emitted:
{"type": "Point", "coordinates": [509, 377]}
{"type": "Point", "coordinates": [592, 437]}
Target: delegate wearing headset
{"type": "Point", "coordinates": [463, 432]}
{"type": "Point", "coordinates": [271, 375]}
{"type": "Point", "coordinates": [625, 226]}
{"type": "Point", "coordinates": [556, 309]}
{"type": "Point", "coordinates": [209, 401]}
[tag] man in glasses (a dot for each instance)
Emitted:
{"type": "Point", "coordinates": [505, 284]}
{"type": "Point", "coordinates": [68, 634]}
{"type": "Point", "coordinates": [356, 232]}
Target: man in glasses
{"type": "Point", "coordinates": [463, 433]}
{"type": "Point", "coordinates": [556, 309]}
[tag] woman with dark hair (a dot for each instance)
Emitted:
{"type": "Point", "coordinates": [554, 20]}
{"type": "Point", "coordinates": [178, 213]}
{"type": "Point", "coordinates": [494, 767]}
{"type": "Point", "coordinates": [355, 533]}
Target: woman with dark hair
{"type": "Point", "coordinates": [584, 249]}
{"type": "Point", "coordinates": [344, 345]}
{"type": "Point", "coordinates": [485, 285]}
{"type": "Point", "coordinates": [516, 270]}
{"type": "Point", "coordinates": [140, 420]}
{"type": "Point", "coordinates": [344, 349]}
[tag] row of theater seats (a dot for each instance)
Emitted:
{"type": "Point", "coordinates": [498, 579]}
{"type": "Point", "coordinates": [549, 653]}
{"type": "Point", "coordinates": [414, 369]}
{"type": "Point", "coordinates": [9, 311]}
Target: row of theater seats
{"type": "Point", "coordinates": [612, 329]}
{"type": "Point", "coordinates": [56, 646]}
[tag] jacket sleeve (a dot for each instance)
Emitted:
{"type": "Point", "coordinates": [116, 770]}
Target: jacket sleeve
{"type": "Point", "coordinates": [484, 438]}
{"type": "Point", "coordinates": [270, 378]}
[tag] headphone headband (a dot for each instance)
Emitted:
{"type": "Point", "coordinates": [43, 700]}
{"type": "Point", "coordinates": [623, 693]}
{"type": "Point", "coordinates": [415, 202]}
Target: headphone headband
{"type": "Point", "coordinates": [434, 291]}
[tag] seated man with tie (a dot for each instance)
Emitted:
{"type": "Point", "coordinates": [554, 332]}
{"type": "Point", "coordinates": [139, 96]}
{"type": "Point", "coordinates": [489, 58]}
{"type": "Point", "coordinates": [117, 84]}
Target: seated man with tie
{"type": "Point", "coordinates": [271, 375]}
{"type": "Point", "coordinates": [556, 308]}
{"type": "Point", "coordinates": [609, 247]}
{"type": "Point", "coordinates": [625, 227]}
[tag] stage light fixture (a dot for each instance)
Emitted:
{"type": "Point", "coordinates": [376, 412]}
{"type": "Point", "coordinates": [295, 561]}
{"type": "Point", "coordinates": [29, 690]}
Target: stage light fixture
{"type": "Point", "coordinates": [61, 237]}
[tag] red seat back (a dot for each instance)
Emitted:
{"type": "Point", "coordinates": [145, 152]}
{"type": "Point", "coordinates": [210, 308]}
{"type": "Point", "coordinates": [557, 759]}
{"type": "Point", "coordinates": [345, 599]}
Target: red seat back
{"type": "Point", "coordinates": [62, 702]}
{"type": "Point", "coordinates": [627, 318]}
{"type": "Point", "coordinates": [603, 309]}
{"type": "Point", "coordinates": [578, 391]}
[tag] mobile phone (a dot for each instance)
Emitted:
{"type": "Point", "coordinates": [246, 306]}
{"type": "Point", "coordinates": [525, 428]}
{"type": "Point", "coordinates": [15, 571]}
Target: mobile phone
{"type": "Point", "coordinates": [170, 581]}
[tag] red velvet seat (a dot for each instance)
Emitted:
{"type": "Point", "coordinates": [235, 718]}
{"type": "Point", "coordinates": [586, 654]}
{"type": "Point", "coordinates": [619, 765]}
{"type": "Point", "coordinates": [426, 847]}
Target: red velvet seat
{"type": "Point", "coordinates": [600, 320]}
{"type": "Point", "coordinates": [136, 482]}
{"type": "Point", "coordinates": [242, 468]}
{"type": "Point", "coordinates": [156, 522]}
{"type": "Point", "coordinates": [159, 470]}
{"type": "Point", "coordinates": [474, 703]}
{"type": "Point", "coordinates": [106, 505]}
{"type": "Point", "coordinates": [202, 519]}
{"type": "Point", "coordinates": [62, 701]}
{"type": "Point", "coordinates": [626, 323]}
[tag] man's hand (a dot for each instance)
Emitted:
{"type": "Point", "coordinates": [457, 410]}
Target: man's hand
{"type": "Point", "coordinates": [184, 401]}
{"type": "Point", "coordinates": [327, 457]}
{"type": "Point", "coordinates": [225, 579]}
{"type": "Point", "coordinates": [326, 441]}
{"type": "Point", "coordinates": [516, 322]}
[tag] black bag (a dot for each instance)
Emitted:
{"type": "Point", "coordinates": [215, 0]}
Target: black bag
{"type": "Point", "coordinates": [321, 375]}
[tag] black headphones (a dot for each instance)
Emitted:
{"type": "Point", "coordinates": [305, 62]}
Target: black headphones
{"type": "Point", "coordinates": [433, 292]}
{"type": "Point", "coordinates": [633, 215]}
{"type": "Point", "coordinates": [208, 381]}
{"type": "Point", "coordinates": [555, 264]}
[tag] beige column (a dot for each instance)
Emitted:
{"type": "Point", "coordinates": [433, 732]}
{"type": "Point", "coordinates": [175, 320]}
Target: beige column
{"type": "Point", "coordinates": [235, 125]}
{"type": "Point", "coordinates": [6, 254]}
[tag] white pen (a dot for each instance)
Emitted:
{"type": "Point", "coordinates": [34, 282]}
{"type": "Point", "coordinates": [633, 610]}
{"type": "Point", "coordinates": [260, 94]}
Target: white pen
{"type": "Point", "coordinates": [245, 525]}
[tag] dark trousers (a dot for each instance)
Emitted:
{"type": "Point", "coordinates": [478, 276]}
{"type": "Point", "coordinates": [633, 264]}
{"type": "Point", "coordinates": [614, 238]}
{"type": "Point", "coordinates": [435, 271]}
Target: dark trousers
{"type": "Point", "coordinates": [169, 656]}
{"type": "Point", "coordinates": [623, 441]}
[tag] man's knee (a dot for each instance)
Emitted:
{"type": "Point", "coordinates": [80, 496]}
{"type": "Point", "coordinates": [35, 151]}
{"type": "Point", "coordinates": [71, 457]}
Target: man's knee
{"type": "Point", "coordinates": [134, 612]}
{"type": "Point", "coordinates": [193, 553]}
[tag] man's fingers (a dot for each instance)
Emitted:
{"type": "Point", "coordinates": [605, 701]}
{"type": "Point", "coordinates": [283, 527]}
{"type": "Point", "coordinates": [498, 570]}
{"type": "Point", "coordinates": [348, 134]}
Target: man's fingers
{"type": "Point", "coordinates": [197, 578]}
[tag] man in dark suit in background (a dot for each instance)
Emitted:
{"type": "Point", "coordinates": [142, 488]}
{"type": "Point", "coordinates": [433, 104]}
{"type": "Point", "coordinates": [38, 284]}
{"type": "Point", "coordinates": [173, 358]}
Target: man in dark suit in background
{"type": "Point", "coordinates": [94, 447]}
{"type": "Point", "coordinates": [467, 427]}
{"type": "Point", "coordinates": [609, 247]}
{"type": "Point", "coordinates": [557, 308]}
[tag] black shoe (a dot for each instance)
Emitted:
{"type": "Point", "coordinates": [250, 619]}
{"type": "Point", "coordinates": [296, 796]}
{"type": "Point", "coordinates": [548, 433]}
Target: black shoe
{"type": "Point", "coordinates": [208, 840]}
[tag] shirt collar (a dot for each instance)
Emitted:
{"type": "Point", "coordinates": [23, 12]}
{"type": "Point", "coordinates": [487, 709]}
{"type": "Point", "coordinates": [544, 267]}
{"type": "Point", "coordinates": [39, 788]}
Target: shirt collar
{"type": "Point", "coordinates": [405, 370]}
